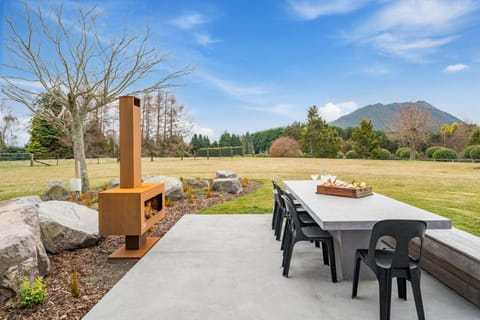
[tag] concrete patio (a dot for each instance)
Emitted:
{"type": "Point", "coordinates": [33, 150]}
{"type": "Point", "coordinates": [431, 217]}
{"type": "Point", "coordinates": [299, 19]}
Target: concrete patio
{"type": "Point", "coordinates": [228, 267]}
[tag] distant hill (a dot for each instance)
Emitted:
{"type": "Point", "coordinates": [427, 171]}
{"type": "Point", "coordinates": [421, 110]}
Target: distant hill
{"type": "Point", "coordinates": [379, 114]}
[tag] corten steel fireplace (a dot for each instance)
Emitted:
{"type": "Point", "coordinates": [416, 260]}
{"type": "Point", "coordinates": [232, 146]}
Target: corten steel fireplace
{"type": "Point", "coordinates": [134, 207]}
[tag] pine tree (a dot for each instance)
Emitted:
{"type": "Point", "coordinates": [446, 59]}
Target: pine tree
{"type": "Point", "coordinates": [319, 140]}
{"type": "Point", "coordinates": [364, 139]}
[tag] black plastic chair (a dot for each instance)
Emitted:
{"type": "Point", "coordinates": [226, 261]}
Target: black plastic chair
{"type": "Point", "coordinates": [389, 263]}
{"type": "Point", "coordinates": [276, 205]}
{"type": "Point", "coordinates": [280, 215]}
{"type": "Point", "coordinates": [297, 231]}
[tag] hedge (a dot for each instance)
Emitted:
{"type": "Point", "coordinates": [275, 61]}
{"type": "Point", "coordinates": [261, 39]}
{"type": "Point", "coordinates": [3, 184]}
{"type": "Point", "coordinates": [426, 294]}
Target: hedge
{"type": "Point", "coordinates": [381, 154]}
{"type": "Point", "coordinates": [444, 153]}
{"type": "Point", "coordinates": [430, 151]}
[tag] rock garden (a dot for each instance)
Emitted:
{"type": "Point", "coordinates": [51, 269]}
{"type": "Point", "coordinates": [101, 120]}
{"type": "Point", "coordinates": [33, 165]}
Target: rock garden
{"type": "Point", "coordinates": [54, 239]}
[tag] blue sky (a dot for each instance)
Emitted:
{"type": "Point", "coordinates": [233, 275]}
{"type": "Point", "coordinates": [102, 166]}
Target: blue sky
{"type": "Point", "coordinates": [261, 64]}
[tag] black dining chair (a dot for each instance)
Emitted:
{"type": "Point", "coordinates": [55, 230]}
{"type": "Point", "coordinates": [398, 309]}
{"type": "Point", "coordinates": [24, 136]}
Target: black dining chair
{"type": "Point", "coordinates": [297, 231]}
{"type": "Point", "coordinates": [281, 213]}
{"type": "Point", "coordinates": [276, 205]}
{"type": "Point", "coordinates": [397, 262]}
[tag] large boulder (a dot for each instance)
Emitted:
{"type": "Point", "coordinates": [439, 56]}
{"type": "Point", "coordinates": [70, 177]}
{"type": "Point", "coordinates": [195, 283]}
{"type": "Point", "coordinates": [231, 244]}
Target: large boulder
{"type": "Point", "coordinates": [229, 185]}
{"type": "Point", "coordinates": [114, 182]}
{"type": "Point", "coordinates": [67, 225]}
{"type": "Point", "coordinates": [56, 190]}
{"type": "Point", "coordinates": [220, 174]}
{"type": "Point", "coordinates": [173, 186]}
{"type": "Point", "coordinates": [22, 253]}
{"type": "Point", "coordinates": [198, 183]}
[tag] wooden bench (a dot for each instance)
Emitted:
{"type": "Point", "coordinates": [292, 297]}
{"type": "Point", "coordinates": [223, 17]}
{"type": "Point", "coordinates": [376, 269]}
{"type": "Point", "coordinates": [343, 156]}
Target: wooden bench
{"type": "Point", "coordinates": [453, 257]}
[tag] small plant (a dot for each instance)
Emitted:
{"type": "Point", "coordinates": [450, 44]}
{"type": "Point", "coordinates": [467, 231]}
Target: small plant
{"type": "Point", "coordinates": [104, 185]}
{"type": "Point", "coordinates": [32, 294]}
{"type": "Point", "coordinates": [168, 202]}
{"type": "Point", "coordinates": [87, 199]}
{"type": "Point", "coordinates": [244, 182]}
{"type": "Point", "coordinates": [73, 284]}
{"type": "Point", "coordinates": [190, 195]}
{"type": "Point", "coordinates": [208, 192]}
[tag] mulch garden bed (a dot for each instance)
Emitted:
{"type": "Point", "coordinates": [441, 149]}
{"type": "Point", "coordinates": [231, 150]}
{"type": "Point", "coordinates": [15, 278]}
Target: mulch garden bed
{"type": "Point", "coordinates": [96, 274]}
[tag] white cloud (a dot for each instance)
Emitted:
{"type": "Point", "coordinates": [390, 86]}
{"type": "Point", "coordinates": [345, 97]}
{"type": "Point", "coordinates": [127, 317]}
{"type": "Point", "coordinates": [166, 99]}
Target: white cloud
{"type": "Point", "coordinates": [413, 29]}
{"type": "Point", "coordinates": [377, 70]}
{"type": "Point", "coordinates": [209, 132]}
{"type": "Point", "coordinates": [456, 67]}
{"type": "Point", "coordinates": [332, 111]}
{"type": "Point", "coordinates": [312, 9]}
{"type": "Point", "coordinates": [189, 21]}
{"type": "Point", "coordinates": [204, 39]}
{"type": "Point", "coordinates": [282, 109]}
{"type": "Point", "coordinates": [233, 89]}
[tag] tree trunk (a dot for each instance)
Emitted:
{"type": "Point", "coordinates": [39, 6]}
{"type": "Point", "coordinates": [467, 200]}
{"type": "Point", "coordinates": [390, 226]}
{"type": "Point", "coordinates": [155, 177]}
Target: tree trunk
{"type": "Point", "coordinates": [79, 147]}
{"type": "Point", "coordinates": [412, 152]}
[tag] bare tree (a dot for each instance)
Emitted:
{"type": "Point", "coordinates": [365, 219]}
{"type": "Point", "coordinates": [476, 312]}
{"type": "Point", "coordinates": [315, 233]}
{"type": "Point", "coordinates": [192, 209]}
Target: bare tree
{"type": "Point", "coordinates": [412, 126]}
{"type": "Point", "coordinates": [77, 67]}
{"type": "Point", "coordinates": [7, 126]}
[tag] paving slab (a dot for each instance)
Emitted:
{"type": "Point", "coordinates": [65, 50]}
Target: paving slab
{"type": "Point", "coordinates": [212, 267]}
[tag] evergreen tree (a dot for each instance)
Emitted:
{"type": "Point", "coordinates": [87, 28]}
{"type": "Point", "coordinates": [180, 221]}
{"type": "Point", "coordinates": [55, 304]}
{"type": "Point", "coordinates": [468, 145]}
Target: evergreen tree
{"type": "Point", "coordinates": [319, 139]}
{"type": "Point", "coordinates": [225, 139]}
{"type": "Point", "coordinates": [475, 137]}
{"type": "Point", "coordinates": [45, 136]}
{"type": "Point", "coordinates": [364, 139]}
{"type": "Point", "coordinates": [294, 131]}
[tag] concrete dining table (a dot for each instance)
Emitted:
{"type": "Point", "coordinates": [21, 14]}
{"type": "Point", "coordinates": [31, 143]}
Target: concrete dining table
{"type": "Point", "coordinates": [350, 220]}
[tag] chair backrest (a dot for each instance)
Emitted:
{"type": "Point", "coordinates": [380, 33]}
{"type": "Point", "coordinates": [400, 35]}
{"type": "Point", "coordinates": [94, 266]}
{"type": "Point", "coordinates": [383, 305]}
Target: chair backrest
{"type": "Point", "coordinates": [402, 231]}
{"type": "Point", "coordinates": [291, 211]}
{"type": "Point", "coordinates": [278, 195]}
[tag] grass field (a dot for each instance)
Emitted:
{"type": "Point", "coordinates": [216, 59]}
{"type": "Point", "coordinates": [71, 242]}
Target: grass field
{"type": "Point", "coordinates": [449, 189]}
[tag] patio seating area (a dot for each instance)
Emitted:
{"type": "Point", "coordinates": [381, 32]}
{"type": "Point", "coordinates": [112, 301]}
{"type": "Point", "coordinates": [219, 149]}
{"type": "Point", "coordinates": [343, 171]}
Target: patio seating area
{"type": "Point", "coordinates": [229, 267]}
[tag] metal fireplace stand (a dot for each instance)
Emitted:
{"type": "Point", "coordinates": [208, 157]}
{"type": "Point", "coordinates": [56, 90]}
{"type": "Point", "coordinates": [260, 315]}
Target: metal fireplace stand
{"type": "Point", "coordinates": [134, 207]}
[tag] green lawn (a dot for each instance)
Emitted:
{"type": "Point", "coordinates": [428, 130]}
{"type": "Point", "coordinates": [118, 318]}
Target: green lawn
{"type": "Point", "coordinates": [449, 189]}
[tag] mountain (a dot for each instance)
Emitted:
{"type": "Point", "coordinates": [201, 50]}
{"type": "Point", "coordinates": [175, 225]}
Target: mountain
{"type": "Point", "coordinates": [379, 114]}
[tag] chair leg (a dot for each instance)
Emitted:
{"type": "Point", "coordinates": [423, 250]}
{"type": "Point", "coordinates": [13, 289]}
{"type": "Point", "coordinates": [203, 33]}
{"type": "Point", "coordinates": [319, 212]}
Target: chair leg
{"type": "Point", "coordinates": [402, 288]}
{"type": "Point", "coordinates": [317, 244]}
{"type": "Point", "coordinates": [356, 274]}
{"type": "Point", "coordinates": [286, 231]}
{"type": "Point", "coordinates": [385, 293]}
{"type": "Point", "coordinates": [417, 294]}
{"type": "Point", "coordinates": [278, 225]}
{"type": "Point", "coordinates": [286, 243]}
{"type": "Point", "coordinates": [288, 256]}
{"type": "Point", "coordinates": [331, 260]}
{"type": "Point", "coordinates": [325, 254]}
{"type": "Point", "coordinates": [274, 215]}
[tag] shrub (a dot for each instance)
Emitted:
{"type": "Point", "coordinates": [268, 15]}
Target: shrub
{"type": "Point", "coordinates": [475, 152]}
{"type": "Point", "coordinates": [444, 153]}
{"type": "Point", "coordinates": [352, 155]}
{"type": "Point", "coordinates": [381, 154]}
{"type": "Point", "coordinates": [285, 147]}
{"type": "Point", "coordinates": [430, 151]}
{"type": "Point", "coordinates": [340, 155]}
{"type": "Point", "coordinates": [467, 151]}
{"type": "Point", "coordinates": [244, 181]}
{"type": "Point", "coordinates": [404, 153]}
{"type": "Point", "coordinates": [32, 294]}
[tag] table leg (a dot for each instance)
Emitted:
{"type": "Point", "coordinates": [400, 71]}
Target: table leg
{"type": "Point", "coordinates": [346, 242]}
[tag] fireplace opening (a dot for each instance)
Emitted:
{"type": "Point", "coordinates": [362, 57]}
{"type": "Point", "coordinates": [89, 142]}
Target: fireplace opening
{"type": "Point", "coordinates": [153, 206]}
